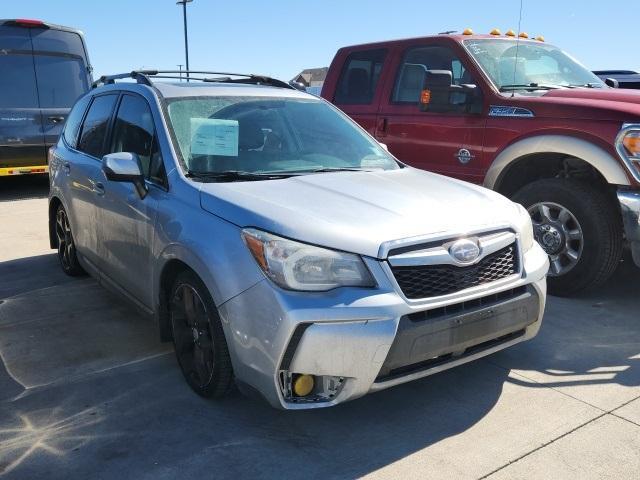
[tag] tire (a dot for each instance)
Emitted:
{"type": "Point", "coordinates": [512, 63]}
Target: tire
{"type": "Point", "coordinates": [198, 338]}
{"type": "Point", "coordinates": [66, 245]}
{"type": "Point", "coordinates": [592, 214]}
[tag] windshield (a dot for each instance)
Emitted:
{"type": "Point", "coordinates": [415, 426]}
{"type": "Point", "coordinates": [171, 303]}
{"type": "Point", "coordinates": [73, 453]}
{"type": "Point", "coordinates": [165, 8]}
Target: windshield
{"type": "Point", "coordinates": [270, 135]}
{"type": "Point", "coordinates": [538, 64]}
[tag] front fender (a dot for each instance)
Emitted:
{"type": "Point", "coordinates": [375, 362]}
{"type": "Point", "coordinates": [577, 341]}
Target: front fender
{"type": "Point", "coordinates": [597, 157]}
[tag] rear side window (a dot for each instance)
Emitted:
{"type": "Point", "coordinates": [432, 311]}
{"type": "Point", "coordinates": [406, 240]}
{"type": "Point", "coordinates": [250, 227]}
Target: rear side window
{"type": "Point", "coordinates": [134, 132]}
{"type": "Point", "coordinates": [61, 80]}
{"type": "Point", "coordinates": [95, 125]}
{"type": "Point", "coordinates": [17, 82]}
{"type": "Point", "coordinates": [72, 125]}
{"type": "Point", "coordinates": [359, 77]}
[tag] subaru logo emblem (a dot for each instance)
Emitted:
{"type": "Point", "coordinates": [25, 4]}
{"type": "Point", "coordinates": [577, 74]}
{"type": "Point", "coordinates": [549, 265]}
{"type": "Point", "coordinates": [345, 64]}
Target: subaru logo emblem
{"type": "Point", "coordinates": [464, 251]}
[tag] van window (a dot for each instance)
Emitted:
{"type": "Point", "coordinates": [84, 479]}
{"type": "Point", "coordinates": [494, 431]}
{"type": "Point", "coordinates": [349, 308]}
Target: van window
{"type": "Point", "coordinates": [61, 80]}
{"type": "Point", "coordinates": [359, 77]}
{"type": "Point", "coordinates": [95, 125]}
{"type": "Point", "coordinates": [51, 40]}
{"type": "Point", "coordinates": [17, 82]}
{"type": "Point", "coordinates": [14, 38]}
{"type": "Point", "coordinates": [134, 132]}
{"type": "Point", "coordinates": [411, 73]}
{"type": "Point", "coordinates": [72, 125]}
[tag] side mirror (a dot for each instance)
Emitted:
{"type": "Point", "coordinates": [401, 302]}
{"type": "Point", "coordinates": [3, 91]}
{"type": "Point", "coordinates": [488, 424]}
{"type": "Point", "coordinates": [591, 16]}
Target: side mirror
{"type": "Point", "coordinates": [612, 82]}
{"type": "Point", "coordinates": [298, 86]}
{"type": "Point", "coordinates": [125, 167]}
{"type": "Point", "coordinates": [439, 94]}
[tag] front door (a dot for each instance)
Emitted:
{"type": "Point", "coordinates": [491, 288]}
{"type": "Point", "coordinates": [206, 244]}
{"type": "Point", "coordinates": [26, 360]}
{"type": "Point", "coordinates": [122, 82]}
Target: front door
{"type": "Point", "coordinates": [448, 142]}
{"type": "Point", "coordinates": [127, 222]}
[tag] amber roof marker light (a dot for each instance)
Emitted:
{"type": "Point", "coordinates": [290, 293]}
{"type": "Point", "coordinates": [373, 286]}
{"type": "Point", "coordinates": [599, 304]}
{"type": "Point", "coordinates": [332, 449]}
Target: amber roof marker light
{"type": "Point", "coordinates": [495, 31]}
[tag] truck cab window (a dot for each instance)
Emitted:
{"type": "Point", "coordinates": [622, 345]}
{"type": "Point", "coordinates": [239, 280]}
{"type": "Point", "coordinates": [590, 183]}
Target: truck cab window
{"type": "Point", "coordinates": [359, 78]}
{"type": "Point", "coordinates": [411, 73]}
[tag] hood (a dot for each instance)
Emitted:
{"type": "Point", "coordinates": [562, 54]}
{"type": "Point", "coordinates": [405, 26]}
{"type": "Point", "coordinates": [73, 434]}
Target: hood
{"type": "Point", "coordinates": [593, 103]}
{"type": "Point", "coordinates": [358, 211]}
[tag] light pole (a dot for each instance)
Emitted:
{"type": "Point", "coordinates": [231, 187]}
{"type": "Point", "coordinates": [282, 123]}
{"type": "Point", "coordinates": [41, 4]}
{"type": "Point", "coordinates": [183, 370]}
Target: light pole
{"type": "Point", "coordinates": [186, 41]}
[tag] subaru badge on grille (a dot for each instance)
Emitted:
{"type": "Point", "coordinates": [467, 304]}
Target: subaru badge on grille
{"type": "Point", "coordinates": [465, 250]}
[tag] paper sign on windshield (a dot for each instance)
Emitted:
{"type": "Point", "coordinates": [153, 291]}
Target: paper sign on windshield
{"type": "Point", "coordinates": [214, 136]}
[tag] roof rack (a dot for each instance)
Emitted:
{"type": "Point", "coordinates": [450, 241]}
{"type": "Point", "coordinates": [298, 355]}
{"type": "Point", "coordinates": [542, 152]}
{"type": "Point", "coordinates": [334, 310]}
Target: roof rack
{"type": "Point", "coordinates": [144, 77]}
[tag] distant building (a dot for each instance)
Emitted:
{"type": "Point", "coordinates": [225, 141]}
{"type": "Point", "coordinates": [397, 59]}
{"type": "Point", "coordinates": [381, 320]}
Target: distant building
{"type": "Point", "coordinates": [312, 77]}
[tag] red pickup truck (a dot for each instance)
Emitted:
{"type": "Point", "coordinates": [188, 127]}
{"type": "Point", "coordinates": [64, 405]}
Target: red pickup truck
{"type": "Point", "coordinates": [519, 116]}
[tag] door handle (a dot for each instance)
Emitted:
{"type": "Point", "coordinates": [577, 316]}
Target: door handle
{"type": "Point", "coordinates": [98, 187]}
{"type": "Point", "coordinates": [56, 119]}
{"type": "Point", "coordinates": [66, 166]}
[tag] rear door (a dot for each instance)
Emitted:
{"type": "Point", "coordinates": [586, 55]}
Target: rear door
{"type": "Point", "coordinates": [62, 76]}
{"type": "Point", "coordinates": [448, 142]}
{"type": "Point", "coordinates": [21, 136]}
{"type": "Point", "coordinates": [358, 89]}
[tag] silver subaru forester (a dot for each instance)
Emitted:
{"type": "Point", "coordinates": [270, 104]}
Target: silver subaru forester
{"type": "Point", "coordinates": [279, 245]}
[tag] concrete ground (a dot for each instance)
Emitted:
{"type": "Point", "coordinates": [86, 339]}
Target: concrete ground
{"type": "Point", "coordinates": [87, 391]}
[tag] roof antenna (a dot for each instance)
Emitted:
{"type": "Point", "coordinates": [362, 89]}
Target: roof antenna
{"type": "Point", "coordinates": [515, 64]}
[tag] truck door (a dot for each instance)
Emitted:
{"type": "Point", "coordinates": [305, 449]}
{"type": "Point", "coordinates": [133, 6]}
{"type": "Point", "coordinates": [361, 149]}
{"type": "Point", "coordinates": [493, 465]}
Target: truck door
{"type": "Point", "coordinates": [357, 90]}
{"type": "Point", "coordinates": [21, 138]}
{"type": "Point", "coordinates": [448, 142]}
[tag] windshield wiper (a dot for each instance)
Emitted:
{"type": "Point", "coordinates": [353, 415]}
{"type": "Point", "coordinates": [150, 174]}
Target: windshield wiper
{"type": "Point", "coordinates": [585, 85]}
{"type": "Point", "coordinates": [529, 87]}
{"type": "Point", "coordinates": [235, 176]}
{"type": "Point", "coordinates": [333, 169]}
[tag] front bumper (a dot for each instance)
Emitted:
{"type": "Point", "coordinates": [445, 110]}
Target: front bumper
{"type": "Point", "coordinates": [630, 207]}
{"type": "Point", "coordinates": [347, 334]}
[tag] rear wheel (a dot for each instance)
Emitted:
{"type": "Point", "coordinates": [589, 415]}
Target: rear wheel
{"type": "Point", "coordinates": [66, 246]}
{"type": "Point", "coordinates": [580, 230]}
{"type": "Point", "coordinates": [198, 338]}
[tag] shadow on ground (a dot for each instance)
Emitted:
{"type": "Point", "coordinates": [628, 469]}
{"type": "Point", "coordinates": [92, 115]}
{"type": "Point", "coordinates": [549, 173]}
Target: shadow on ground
{"type": "Point", "coordinates": [23, 187]}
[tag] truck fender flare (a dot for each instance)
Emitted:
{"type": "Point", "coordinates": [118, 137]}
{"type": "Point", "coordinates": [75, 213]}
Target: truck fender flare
{"type": "Point", "coordinates": [608, 166]}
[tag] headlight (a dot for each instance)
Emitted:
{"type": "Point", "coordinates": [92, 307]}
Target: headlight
{"type": "Point", "coordinates": [299, 266]}
{"type": "Point", "coordinates": [525, 227]}
{"type": "Point", "coordinates": [628, 147]}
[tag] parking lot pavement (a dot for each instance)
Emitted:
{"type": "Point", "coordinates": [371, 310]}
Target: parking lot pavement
{"type": "Point", "coordinates": [87, 391]}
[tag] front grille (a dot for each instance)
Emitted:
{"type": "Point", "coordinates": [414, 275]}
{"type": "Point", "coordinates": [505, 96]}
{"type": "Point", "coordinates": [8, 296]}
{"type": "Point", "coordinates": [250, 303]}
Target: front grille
{"type": "Point", "coordinates": [425, 281]}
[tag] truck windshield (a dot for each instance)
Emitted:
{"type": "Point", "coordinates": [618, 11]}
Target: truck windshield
{"type": "Point", "coordinates": [266, 135]}
{"type": "Point", "coordinates": [539, 66]}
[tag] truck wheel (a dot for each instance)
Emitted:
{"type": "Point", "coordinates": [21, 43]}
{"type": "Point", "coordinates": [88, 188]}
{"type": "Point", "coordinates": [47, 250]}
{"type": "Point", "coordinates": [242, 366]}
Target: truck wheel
{"type": "Point", "coordinates": [66, 246]}
{"type": "Point", "coordinates": [578, 227]}
{"type": "Point", "coordinates": [198, 338]}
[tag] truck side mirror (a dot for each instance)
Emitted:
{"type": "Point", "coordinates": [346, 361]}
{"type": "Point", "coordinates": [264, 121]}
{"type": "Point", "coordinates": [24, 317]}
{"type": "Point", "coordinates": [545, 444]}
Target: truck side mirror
{"type": "Point", "coordinates": [612, 82]}
{"type": "Point", "coordinates": [439, 94]}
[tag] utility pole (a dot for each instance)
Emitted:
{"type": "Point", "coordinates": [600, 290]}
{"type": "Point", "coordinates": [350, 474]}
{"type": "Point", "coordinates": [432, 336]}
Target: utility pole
{"type": "Point", "coordinates": [186, 40]}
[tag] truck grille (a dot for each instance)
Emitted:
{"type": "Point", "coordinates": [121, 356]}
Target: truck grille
{"type": "Point", "coordinates": [425, 281]}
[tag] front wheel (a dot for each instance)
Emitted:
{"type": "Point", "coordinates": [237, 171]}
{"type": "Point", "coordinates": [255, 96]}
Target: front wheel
{"type": "Point", "coordinates": [578, 227]}
{"type": "Point", "coordinates": [198, 338]}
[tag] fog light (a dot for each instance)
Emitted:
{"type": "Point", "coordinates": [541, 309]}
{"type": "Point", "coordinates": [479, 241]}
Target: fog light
{"type": "Point", "coordinates": [303, 385]}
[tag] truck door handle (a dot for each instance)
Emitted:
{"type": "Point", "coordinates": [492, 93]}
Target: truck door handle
{"type": "Point", "coordinates": [98, 187]}
{"type": "Point", "coordinates": [56, 119]}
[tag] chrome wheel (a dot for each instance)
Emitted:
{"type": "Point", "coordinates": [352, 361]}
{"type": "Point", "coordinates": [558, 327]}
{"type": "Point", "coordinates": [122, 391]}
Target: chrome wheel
{"type": "Point", "coordinates": [192, 335]}
{"type": "Point", "coordinates": [559, 234]}
{"type": "Point", "coordinates": [65, 240]}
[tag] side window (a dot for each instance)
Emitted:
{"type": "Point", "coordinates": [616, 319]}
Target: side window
{"type": "Point", "coordinates": [411, 73]}
{"type": "Point", "coordinates": [95, 125]}
{"type": "Point", "coordinates": [359, 77]}
{"type": "Point", "coordinates": [134, 132]}
{"type": "Point", "coordinates": [72, 125]}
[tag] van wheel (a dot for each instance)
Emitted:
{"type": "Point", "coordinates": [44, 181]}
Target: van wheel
{"type": "Point", "coordinates": [578, 227]}
{"type": "Point", "coordinates": [198, 338]}
{"type": "Point", "coordinates": [66, 246]}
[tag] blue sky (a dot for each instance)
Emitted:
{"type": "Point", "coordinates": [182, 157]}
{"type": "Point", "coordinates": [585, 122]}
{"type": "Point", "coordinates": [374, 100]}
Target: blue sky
{"type": "Point", "coordinates": [281, 37]}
